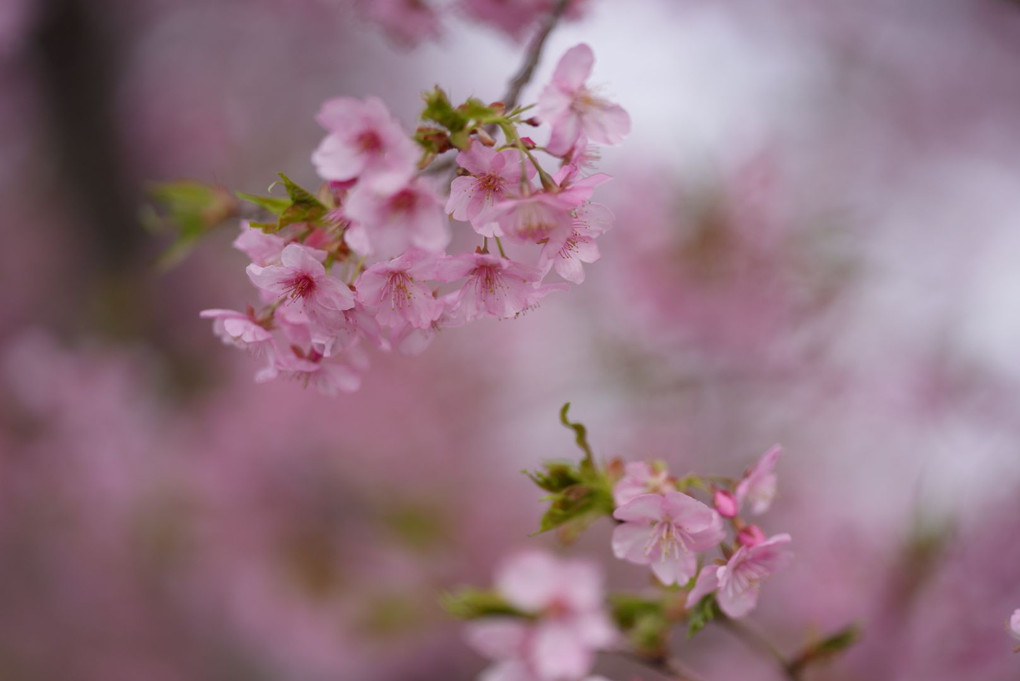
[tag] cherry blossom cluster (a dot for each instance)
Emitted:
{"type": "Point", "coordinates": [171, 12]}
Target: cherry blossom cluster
{"type": "Point", "coordinates": [365, 259]}
{"type": "Point", "coordinates": [547, 617]}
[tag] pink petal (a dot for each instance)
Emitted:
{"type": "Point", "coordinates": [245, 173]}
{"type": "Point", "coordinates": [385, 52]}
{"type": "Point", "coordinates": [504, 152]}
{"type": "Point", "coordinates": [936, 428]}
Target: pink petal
{"type": "Point", "coordinates": [644, 508]}
{"type": "Point", "coordinates": [558, 652]}
{"type": "Point", "coordinates": [574, 67]}
{"type": "Point", "coordinates": [529, 580]}
{"type": "Point", "coordinates": [630, 541]}
{"type": "Point", "coordinates": [497, 638]}
{"type": "Point", "coordinates": [707, 582]}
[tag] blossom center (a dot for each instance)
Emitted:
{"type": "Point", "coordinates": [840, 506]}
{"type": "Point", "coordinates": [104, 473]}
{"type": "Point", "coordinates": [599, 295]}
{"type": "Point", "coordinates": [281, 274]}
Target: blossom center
{"type": "Point", "coordinates": [368, 141]}
{"type": "Point", "coordinates": [403, 201]}
{"type": "Point", "coordinates": [301, 286]}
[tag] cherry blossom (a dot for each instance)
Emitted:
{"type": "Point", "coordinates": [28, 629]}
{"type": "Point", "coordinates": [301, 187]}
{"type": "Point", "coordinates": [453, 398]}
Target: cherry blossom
{"type": "Point", "coordinates": [642, 478]}
{"type": "Point", "coordinates": [364, 141]}
{"type": "Point", "coordinates": [263, 249]}
{"type": "Point", "coordinates": [494, 175]}
{"type": "Point", "coordinates": [666, 531]}
{"type": "Point", "coordinates": [495, 286]}
{"type": "Point", "coordinates": [390, 222]}
{"type": "Point", "coordinates": [758, 486]}
{"type": "Point", "coordinates": [395, 291]}
{"type": "Point", "coordinates": [738, 582]}
{"type": "Point", "coordinates": [566, 599]}
{"type": "Point", "coordinates": [574, 110]}
{"type": "Point", "coordinates": [305, 286]}
{"type": "Point", "coordinates": [239, 329]}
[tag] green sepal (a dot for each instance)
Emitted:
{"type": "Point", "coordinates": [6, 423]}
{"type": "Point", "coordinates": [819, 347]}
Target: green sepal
{"type": "Point", "coordinates": [557, 477]}
{"type": "Point", "coordinates": [643, 620]}
{"type": "Point", "coordinates": [459, 121]}
{"type": "Point", "coordinates": [469, 603]}
{"type": "Point", "coordinates": [701, 614]}
{"type": "Point", "coordinates": [304, 207]}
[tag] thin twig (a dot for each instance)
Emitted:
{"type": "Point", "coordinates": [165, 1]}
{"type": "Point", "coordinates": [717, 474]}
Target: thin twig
{"type": "Point", "coordinates": [755, 640]}
{"type": "Point", "coordinates": [672, 668]}
{"type": "Point", "coordinates": [534, 54]}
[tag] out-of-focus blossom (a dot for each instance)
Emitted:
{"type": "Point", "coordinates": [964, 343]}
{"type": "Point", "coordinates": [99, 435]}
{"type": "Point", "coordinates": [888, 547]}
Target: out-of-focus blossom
{"type": "Point", "coordinates": [667, 532]}
{"type": "Point", "coordinates": [409, 22]}
{"type": "Point", "coordinates": [738, 582]}
{"type": "Point", "coordinates": [567, 599]}
{"type": "Point", "coordinates": [263, 249]}
{"type": "Point", "coordinates": [364, 141]}
{"type": "Point", "coordinates": [239, 329]}
{"type": "Point", "coordinates": [642, 478]}
{"type": "Point", "coordinates": [574, 110]}
{"type": "Point", "coordinates": [1014, 624]}
{"type": "Point", "coordinates": [758, 486]}
{"type": "Point", "coordinates": [533, 219]}
{"type": "Point", "coordinates": [389, 222]}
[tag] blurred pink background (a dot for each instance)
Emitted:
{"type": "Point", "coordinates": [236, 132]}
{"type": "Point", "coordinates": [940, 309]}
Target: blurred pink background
{"type": "Point", "coordinates": [816, 243]}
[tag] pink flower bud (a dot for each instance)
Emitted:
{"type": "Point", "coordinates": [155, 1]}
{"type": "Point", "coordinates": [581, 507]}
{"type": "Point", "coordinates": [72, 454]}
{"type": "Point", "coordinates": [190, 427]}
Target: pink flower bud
{"type": "Point", "coordinates": [528, 143]}
{"type": "Point", "coordinates": [751, 536]}
{"type": "Point", "coordinates": [725, 503]}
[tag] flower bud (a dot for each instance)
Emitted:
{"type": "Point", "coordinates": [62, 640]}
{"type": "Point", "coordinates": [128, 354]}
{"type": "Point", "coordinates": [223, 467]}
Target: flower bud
{"type": "Point", "coordinates": [751, 535]}
{"type": "Point", "coordinates": [725, 503]}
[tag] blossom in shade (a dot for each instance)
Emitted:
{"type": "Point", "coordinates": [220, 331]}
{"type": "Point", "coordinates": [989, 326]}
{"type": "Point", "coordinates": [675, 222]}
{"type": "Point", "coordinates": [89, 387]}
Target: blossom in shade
{"type": "Point", "coordinates": [494, 175]}
{"type": "Point", "coordinates": [396, 293]}
{"type": "Point", "coordinates": [574, 111]}
{"type": "Point", "coordinates": [387, 223]}
{"type": "Point", "coordinates": [364, 140]}
{"type": "Point", "coordinates": [306, 287]}
{"type": "Point", "coordinates": [495, 286]}
{"type": "Point", "coordinates": [263, 249]}
{"type": "Point", "coordinates": [533, 219]}
{"type": "Point", "coordinates": [758, 486]}
{"type": "Point", "coordinates": [642, 478]}
{"type": "Point", "coordinates": [565, 600]}
{"type": "Point", "coordinates": [239, 329]}
{"type": "Point", "coordinates": [666, 531]}
{"type": "Point", "coordinates": [738, 582]}
{"type": "Point", "coordinates": [328, 377]}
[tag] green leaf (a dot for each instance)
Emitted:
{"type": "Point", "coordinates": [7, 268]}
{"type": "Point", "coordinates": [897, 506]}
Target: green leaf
{"type": "Point", "coordinates": [557, 476]}
{"type": "Point", "coordinates": [189, 210]}
{"type": "Point", "coordinates": [469, 603]}
{"type": "Point", "coordinates": [272, 204]}
{"type": "Point", "coordinates": [439, 110]}
{"type": "Point", "coordinates": [704, 612]}
{"type": "Point", "coordinates": [304, 207]}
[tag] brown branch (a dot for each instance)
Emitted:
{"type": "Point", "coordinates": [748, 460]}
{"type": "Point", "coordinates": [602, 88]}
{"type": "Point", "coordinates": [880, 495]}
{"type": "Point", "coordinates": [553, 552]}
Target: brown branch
{"type": "Point", "coordinates": [534, 54]}
{"type": "Point", "coordinates": [672, 668]}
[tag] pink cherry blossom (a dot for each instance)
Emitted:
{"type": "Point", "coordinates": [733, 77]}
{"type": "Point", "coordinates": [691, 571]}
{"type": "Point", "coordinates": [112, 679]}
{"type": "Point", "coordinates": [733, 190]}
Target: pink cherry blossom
{"type": "Point", "coordinates": [239, 329]}
{"type": "Point", "coordinates": [409, 22]}
{"type": "Point", "coordinates": [395, 291]}
{"type": "Point", "coordinates": [567, 599]}
{"type": "Point", "coordinates": [758, 486]}
{"type": "Point", "coordinates": [1014, 624]}
{"type": "Point", "coordinates": [738, 582]}
{"type": "Point", "coordinates": [641, 478]}
{"type": "Point", "coordinates": [494, 174]}
{"type": "Point", "coordinates": [495, 286]}
{"type": "Point", "coordinates": [750, 535]}
{"type": "Point", "coordinates": [364, 141]}
{"type": "Point", "coordinates": [263, 249]}
{"type": "Point", "coordinates": [328, 377]}
{"type": "Point", "coordinates": [387, 223]}
{"type": "Point", "coordinates": [533, 219]}
{"type": "Point", "coordinates": [573, 110]}
{"type": "Point", "coordinates": [666, 532]}
{"type": "Point", "coordinates": [307, 288]}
